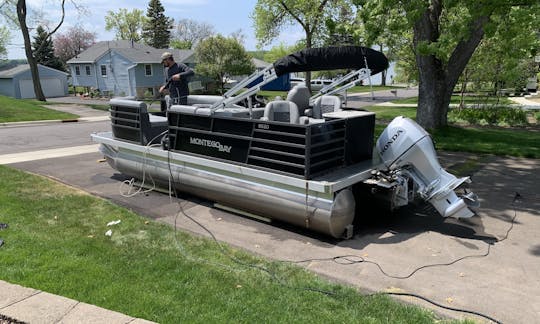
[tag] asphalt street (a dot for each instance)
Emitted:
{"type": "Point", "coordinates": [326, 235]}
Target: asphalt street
{"type": "Point", "coordinates": [415, 251]}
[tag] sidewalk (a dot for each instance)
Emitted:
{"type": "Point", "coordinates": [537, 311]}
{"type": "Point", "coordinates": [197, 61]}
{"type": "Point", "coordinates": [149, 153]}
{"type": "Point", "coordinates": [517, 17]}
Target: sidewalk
{"type": "Point", "coordinates": [526, 103]}
{"type": "Point", "coordinates": [35, 306]}
{"type": "Point", "coordinates": [364, 99]}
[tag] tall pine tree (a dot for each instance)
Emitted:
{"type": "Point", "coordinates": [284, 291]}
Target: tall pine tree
{"type": "Point", "coordinates": [156, 30]}
{"type": "Point", "coordinates": [43, 50]}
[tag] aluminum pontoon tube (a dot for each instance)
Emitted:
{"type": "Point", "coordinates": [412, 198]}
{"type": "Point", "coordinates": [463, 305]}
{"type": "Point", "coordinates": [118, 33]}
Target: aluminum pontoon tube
{"type": "Point", "coordinates": [327, 216]}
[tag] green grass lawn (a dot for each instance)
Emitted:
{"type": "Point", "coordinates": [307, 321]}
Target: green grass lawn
{"type": "Point", "coordinates": [490, 140]}
{"type": "Point", "coordinates": [55, 242]}
{"type": "Point", "coordinates": [366, 88]}
{"type": "Point", "coordinates": [466, 99]}
{"type": "Point", "coordinates": [271, 95]}
{"type": "Point", "coordinates": [104, 107]}
{"type": "Point", "coordinates": [498, 141]}
{"type": "Point", "coordinates": [504, 142]}
{"type": "Point", "coordinates": [15, 110]}
{"type": "Point", "coordinates": [384, 113]}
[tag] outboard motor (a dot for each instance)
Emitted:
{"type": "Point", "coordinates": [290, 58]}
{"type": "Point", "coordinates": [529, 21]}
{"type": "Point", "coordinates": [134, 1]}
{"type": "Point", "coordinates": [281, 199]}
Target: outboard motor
{"type": "Point", "coordinates": [407, 151]}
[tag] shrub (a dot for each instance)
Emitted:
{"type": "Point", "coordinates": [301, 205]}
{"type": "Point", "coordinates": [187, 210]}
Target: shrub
{"type": "Point", "coordinates": [496, 115]}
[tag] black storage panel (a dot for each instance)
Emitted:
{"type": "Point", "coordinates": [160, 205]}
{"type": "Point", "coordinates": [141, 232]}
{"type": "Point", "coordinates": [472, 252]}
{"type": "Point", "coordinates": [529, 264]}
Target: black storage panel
{"type": "Point", "coordinates": [298, 150]}
{"type": "Point", "coordinates": [126, 123]}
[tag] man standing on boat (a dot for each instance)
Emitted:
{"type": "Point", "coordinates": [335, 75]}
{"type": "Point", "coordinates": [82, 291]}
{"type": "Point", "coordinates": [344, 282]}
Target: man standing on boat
{"type": "Point", "coordinates": [177, 79]}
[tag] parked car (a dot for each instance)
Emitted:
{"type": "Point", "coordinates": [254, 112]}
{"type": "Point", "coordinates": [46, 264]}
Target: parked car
{"type": "Point", "coordinates": [532, 84]}
{"type": "Point", "coordinates": [318, 84]}
{"type": "Point", "coordinates": [296, 81]}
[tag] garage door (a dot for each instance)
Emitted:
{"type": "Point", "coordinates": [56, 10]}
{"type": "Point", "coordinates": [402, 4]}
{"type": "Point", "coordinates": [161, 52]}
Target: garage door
{"type": "Point", "coordinates": [51, 88]}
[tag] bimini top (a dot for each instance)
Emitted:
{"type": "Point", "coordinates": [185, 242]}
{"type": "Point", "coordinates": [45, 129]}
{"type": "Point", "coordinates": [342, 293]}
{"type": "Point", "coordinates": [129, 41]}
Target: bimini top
{"type": "Point", "coordinates": [332, 58]}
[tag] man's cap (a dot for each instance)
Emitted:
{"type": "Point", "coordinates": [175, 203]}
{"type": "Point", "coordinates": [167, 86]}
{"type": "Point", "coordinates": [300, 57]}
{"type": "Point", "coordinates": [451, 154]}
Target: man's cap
{"type": "Point", "coordinates": [165, 56]}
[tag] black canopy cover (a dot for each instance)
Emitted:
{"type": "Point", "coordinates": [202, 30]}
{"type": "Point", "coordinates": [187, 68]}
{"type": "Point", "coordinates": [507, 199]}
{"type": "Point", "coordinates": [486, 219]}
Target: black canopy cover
{"type": "Point", "coordinates": [331, 58]}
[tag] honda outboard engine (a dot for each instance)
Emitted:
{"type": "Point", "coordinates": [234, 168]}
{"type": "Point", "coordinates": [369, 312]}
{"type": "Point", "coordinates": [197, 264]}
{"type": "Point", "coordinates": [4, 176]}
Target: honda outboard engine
{"type": "Point", "coordinates": [407, 152]}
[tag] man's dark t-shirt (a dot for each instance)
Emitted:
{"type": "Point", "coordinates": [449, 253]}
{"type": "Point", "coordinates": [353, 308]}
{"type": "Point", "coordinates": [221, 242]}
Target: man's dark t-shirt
{"type": "Point", "coordinates": [178, 90]}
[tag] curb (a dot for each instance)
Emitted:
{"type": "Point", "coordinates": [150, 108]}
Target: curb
{"type": "Point", "coordinates": [54, 121]}
{"type": "Point", "coordinates": [27, 305]}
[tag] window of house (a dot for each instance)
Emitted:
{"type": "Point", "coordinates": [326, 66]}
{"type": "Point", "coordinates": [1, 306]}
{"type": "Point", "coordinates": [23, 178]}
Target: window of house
{"type": "Point", "coordinates": [103, 70]}
{"type": "Point", "coordinates": [77, 70]}
{"type": "Point", "coordinates": [88, 72]}
{"type": "Point", "coordinates": [148, 70]}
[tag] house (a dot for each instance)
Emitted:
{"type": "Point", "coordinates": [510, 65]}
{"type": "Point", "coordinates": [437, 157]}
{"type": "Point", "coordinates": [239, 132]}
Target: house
{"type": "Point", "coordinates": [16, 82]}
{"type": "Point", "coordinates": [260, 64]}
{"type": "Point", "coordinates": [123, 68]}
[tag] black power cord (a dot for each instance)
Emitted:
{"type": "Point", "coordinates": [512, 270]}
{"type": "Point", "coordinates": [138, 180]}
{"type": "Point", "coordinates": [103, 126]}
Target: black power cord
{"type": "Point", "coordinates": [441, 305]}
{"type": "Point", "coordinates": [269, 272]}
{"type": "Point", "coordinates": [343, 259]}
{"type": "Point", "coordinates": [351, 259]}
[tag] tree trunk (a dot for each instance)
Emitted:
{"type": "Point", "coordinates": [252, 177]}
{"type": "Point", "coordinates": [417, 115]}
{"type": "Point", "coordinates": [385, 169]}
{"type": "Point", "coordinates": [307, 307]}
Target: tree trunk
{"type": "Point", "coordinates": [433, 94]}
{"type": "Point", "coordinates": [431, 112]}
{"type": "Point", "coordinates": [384, 72]}
{"type": "Point", "coordinates": [463, 89]}
{"type": "Point", "coordinates": [21, 15]}
{"type": "Point", "coordinates": [308, 73]}
{"type": "Point", "coordinates": [437, 80]}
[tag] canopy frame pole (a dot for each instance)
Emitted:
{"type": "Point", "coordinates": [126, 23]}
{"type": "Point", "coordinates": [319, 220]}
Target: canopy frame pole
{"type": "Point", "coordinates": [362, 75]}
{"type": "Point", "coordinates": [369, 78]}
{"type": "Point", "coordinates": [269, 75]}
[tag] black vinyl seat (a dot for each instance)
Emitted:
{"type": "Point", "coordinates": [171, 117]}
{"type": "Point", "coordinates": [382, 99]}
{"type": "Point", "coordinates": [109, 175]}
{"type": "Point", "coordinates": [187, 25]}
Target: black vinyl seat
{"type": "Point", "coordinates": [131, 121]}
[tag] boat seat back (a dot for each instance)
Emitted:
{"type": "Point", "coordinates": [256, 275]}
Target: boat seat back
{"type": "Point", "coordinates": [325, 104]}
{"type": "Point", "coordinates": [193, 110]}
{"type": "Point", "coordinates": [300, 95]}
{"type": "Point", "coordinates": [281, 110]}
{"type": "Point", "coordinates": [130, 121]}
{"type": "Point", "coordinates": [202, 99]}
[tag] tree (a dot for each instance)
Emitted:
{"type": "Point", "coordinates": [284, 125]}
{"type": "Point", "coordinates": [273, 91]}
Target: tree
{"type": "Point", "coordinates": [4, 39]}
{"type": "Point", "coordinates": [219, 57]}
{"type": "Point", "coordinates": [505, 59]}
{"type": "Point", "coordinates": [44, 50]}
{"type": "Point", "coordinates": [156, 28]}
{"type": "Point", "coordinates": [21, 13]}
{"type": "Point", "coordinates": [73, 42]}
{"type": "Point", "coordinates": [281, 50]}
{"type": "Point", "coordinates": [445, 36]}
{"type": "Point", "coordinates": [270, 16]}
{"type": "Point", "coordinates": [188, 33]}
{"type": "Point", "coordinates": [127, 25]}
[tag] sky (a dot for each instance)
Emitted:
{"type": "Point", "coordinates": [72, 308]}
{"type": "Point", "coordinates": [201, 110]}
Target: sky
{"type": "Point", "coordinates": [227, 16]}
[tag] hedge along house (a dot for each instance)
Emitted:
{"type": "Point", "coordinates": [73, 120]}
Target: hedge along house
{"type": "Point", "coordinates": [17, 82]}
{"type": "Point", "coordinates": [120, 68]}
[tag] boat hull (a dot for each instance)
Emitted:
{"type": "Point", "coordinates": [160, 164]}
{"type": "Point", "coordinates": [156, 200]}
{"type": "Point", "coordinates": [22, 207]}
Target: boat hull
{"type": "Point", "coordinates": [316, 206]}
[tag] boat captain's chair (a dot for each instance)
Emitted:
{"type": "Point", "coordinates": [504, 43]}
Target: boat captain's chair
{"type": "Point", "coordinates": [131, 121]}
{"type": "Point", "coordinates": [300, 94]}
{"type": "Point", "coordinates": [325, 104]}
{"type": "Point", "coordinates": [282, 111]}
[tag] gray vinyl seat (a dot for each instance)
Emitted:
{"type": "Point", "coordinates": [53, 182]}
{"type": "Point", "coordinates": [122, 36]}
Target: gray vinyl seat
{"type": "Point", "coordinates": [235, 111]}
{"type": "Point", "coordinates": [325, 104]}
{"type": "Point", "coordinates": [194, 110]}
{"type": "Point", "coordinates": [300, 95]}
{"type": "Point", "coordinates": [202, 99]}
{"type": "Point", "coordinates": [282, 111]}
